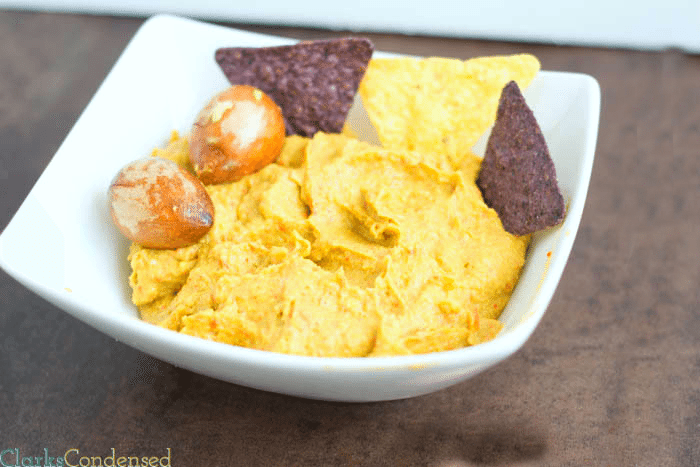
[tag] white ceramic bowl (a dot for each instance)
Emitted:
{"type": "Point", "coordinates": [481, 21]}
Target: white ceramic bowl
{"type": "Point", "coordinates": [62, 245]}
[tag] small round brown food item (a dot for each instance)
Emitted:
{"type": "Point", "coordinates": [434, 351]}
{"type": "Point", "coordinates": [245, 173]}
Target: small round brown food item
{"type": "Point", "coordinates": [158, 204]}
{"type": "Point", "coordinates": [240, 131]}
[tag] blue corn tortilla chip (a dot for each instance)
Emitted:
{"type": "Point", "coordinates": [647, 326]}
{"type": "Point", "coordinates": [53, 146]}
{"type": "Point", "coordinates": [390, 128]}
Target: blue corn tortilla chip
{"type": "Point", "coordinates": [313, 82]}
{"type": "Point", "coordinates": [517, 177]}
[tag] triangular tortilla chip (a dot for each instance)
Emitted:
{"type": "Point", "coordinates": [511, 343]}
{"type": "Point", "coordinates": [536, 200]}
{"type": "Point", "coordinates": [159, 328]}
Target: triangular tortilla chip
{"type": "Point", "coordinates": [439, 104]}
{"type": "Point", "coordinates": [517, 177]}
{"type": "Point", "coordinates": [313, 82]}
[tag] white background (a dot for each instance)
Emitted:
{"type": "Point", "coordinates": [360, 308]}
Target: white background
{"type": "Point", "coordinates": [643, 24]}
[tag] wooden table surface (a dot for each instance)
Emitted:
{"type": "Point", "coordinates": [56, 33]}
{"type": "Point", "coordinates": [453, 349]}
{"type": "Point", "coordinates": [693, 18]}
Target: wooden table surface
{"type": "Point", "coordinates": [611, 377]}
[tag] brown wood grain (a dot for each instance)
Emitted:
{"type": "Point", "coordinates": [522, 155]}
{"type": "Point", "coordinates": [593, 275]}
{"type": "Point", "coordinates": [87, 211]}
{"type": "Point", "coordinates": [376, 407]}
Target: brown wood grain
{"type": "Point", "coordinates": [611, 377]}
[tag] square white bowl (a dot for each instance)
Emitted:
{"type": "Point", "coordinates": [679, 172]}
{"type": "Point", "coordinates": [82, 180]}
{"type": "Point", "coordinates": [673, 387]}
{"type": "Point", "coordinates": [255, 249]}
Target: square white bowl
{"type": "Point", "coordinates": [62, 245]}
